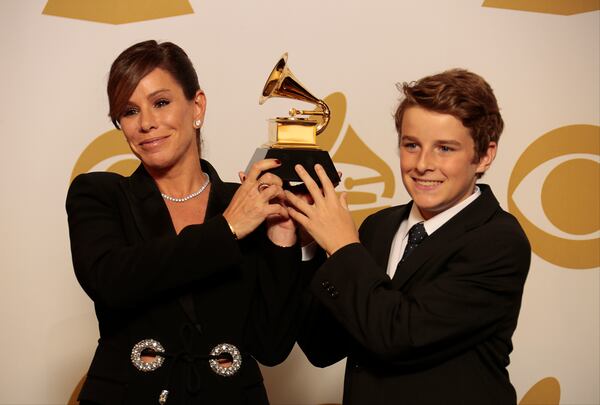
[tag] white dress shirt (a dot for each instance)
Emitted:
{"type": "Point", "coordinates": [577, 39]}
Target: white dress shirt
{"type": "Point", "coordinates": [431, 225]}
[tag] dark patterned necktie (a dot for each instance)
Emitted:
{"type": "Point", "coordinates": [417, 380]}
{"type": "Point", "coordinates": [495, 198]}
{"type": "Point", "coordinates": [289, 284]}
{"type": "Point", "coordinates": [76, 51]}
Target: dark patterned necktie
{"type": "Point", "coordinates": [415, 236]}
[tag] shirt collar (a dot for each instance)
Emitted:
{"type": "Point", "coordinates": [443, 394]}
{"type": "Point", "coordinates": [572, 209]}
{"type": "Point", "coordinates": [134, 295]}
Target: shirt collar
{"type": "Point", "coordinates": [433, 224]}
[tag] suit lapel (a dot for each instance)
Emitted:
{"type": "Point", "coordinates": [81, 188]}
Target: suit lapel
{"type": "Point", "coordinates": [472, 216]}
{"type": "Point", "coordinates": [381, 241]}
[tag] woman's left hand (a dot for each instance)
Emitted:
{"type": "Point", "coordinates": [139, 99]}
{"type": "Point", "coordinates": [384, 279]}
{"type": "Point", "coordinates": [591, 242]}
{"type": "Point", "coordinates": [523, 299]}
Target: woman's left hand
{"type": "Point", "coordinates": [328, 219]}
{"type": "Point", "coordinates": [280, 230]}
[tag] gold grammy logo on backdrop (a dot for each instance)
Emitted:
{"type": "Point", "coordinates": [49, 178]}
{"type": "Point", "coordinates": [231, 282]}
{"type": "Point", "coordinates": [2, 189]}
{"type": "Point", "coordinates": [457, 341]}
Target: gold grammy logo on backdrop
{"type": "Point", "coordinates": [545, 391]}
{"type": "Point", "coordinates": [108, 152]}
{"type": "Point", "coordinates": [560, 7]}
{"type": "Point", "coordinates": [117, 11]}
{"type": "Point", "coordinates": [353, 151]}
{"type": "Point", "coordinates": [569, 190]}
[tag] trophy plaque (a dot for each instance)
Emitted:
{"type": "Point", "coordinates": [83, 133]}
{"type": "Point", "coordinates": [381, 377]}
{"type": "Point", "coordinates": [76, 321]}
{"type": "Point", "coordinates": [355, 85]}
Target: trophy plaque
{"type": "Point", "coordinates": [293, 139]}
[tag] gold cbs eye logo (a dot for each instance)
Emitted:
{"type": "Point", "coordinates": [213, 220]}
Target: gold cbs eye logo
{"type": "Point", "coordinates": [564, 165]}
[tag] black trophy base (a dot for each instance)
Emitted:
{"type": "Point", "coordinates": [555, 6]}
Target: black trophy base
{"type": "Point", "coordinates": [291, 157]}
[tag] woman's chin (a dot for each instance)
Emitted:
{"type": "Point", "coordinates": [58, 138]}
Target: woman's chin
{"type": "Point", "coordinates": [157, 163]}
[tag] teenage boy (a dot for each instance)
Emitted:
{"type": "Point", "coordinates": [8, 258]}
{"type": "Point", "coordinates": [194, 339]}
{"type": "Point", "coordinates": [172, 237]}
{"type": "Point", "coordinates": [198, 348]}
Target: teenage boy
{"type": "Point", "coordinates": [424, 299]}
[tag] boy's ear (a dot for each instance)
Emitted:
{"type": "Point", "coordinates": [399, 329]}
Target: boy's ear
{"type": "Point", "coordinates": [487, 158]}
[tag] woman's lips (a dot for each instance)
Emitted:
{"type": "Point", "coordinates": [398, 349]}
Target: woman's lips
{"type": "Point", "coordinates": [153, 143]}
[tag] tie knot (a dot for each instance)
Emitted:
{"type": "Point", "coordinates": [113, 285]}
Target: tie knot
{"type": "Point", "coordinates": [416, 234]}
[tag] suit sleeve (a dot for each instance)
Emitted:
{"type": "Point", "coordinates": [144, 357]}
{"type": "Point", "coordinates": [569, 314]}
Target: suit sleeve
{"type": "Point", "coordinates": [321, 337]}
{"type": "Point", "coordinates": [119, 274]}
{"type": "Point", "coordinates": [469, 296]}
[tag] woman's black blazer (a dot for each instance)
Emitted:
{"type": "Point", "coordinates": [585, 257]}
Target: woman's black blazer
{"type": "Point", "coordinates": [189, 292]}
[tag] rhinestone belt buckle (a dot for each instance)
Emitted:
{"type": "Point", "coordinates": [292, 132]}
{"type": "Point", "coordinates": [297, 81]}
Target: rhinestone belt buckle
{"type": "Point", "coordinates": [151, 346]}
{"type": "Point", "coordinates": [236, 360]}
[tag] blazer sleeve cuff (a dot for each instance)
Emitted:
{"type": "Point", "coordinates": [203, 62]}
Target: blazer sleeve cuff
{"type": "Point", "coordinates": [214, 239]}
{"type": "Point", "coordinates": [348, 268]}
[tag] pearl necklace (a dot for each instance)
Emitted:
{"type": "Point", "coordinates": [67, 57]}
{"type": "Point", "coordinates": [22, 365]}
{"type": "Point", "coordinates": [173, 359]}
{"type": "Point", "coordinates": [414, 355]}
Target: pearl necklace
{"type": "Point", "coordinates": [189, 196]}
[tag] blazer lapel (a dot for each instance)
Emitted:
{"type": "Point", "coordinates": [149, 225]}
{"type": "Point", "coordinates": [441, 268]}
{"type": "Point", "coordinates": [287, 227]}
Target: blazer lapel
{"type": "Point", "coordinates": [219, 196]}
{"type": "Point", "coordinates": [149, 211]}
{"type": "Point", "coordinates": [152, 217]}
{"type": "Point", "coordinates": [473, 215]}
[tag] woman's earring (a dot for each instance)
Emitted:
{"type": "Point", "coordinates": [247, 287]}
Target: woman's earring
{"type": "Point", "coordinates": [197, 123]}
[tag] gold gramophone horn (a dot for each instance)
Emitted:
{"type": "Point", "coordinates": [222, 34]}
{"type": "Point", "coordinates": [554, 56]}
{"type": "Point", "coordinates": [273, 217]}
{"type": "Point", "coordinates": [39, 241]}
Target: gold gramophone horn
{"type": "Point", "coordinates": [282, 83]}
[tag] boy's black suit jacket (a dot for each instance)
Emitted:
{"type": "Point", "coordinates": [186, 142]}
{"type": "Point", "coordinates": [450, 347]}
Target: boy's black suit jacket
{"type": "Point", "coordinates": [440, 331]}
{"type": "Point", "coordinates": [189, 292]}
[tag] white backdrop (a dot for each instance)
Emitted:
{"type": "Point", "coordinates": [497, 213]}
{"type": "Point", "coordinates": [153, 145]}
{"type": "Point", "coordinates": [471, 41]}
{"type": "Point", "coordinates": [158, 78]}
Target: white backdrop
{"type": "Point", "coordinates": [544, 69]}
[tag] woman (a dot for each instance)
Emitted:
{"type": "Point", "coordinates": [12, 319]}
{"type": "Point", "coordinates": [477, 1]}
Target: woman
{"type": "Point", "coordinates": [188, 285]}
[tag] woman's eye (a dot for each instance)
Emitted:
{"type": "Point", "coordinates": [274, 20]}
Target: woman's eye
{"type": "Point", "coordinates": [129, 111]}
{"type": "Point", "coordinates": [162, 103]}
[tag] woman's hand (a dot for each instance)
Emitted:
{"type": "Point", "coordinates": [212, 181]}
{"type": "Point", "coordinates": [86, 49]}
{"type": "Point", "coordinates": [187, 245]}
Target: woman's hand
{"type": "Point", "coordinates": [250, 205]}
{"type": "Point", "coordinates": [281, 230]}
{"type": "Point", "coordinates": [328, 219]}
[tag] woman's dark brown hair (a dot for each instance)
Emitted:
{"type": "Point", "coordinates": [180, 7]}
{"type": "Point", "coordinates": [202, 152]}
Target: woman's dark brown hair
{"type": "Point", "coordinates": [140, 59]}
{"type": "Point", "coordinates": [462, 94]}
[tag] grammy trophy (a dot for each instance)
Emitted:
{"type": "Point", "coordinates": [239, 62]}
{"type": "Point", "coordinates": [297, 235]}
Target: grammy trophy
{"type": "Point", "coordinates": [292, 139]}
